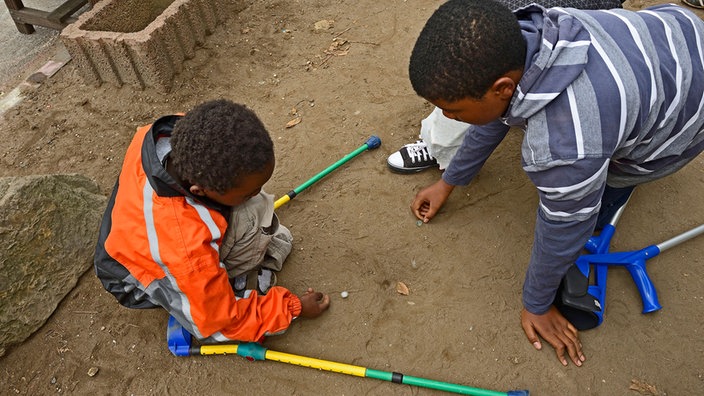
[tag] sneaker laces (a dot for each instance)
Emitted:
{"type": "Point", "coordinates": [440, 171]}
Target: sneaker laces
{"type": "Point", "coordinates": [418, 152]}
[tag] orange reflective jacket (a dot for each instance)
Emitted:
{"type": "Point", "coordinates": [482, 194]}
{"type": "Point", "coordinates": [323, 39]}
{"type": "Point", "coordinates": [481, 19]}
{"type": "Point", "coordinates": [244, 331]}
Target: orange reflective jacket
{"type": "Point", "coordinates": [158, 246]}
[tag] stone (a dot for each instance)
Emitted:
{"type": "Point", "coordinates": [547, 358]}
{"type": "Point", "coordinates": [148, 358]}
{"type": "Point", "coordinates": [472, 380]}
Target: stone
{"type": "Point", "coordinates": [48, 230]}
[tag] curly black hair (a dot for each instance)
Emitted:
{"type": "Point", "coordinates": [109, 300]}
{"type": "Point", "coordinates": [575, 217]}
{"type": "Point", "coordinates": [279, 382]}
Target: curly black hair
{"type": "Point", "coordinates": [217, 143]}
{"type": "Point", "coordinates": [464, 47]}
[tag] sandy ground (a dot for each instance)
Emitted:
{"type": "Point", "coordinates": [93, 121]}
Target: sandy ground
{"type": "Point", "coordinates": [354, 232]}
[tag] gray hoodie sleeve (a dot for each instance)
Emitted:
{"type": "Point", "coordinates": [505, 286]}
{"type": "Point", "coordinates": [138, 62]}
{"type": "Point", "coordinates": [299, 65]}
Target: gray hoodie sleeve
{"type": "Point", "coordinates": [477, 146]}
{"type": "Point", "coordinates": [555, 248]}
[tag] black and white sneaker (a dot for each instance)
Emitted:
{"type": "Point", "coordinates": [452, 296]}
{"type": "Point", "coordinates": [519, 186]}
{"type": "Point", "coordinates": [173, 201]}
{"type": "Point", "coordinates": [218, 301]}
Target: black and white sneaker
{"type": "Point", "coordinates": [411, 158]}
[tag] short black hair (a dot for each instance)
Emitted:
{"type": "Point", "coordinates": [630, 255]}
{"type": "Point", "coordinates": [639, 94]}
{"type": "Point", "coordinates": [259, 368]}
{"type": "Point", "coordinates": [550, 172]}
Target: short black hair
{"type": "Point", "coordinates": [217, 143]}
{"type": "Point", "coordinates": [464, 47]}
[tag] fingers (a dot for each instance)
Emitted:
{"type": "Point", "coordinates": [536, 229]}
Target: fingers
{"type": "Point", "coordinates": [570, 342]}
{"type": "Point", "coordinates": [424, 215]}
{"type": "Point", "coordinates": [428, 212]}
{"type": "Point", "coordinates": [317, 296]}
{"type": "Point", "coordinates": [422, 209]}
{"type": "Point", "coordinates": [569, 337]}
{"type": "Point", "coordinates": [566, 339]}
{"type": "Point", "coordinates": [429, 200]}
{"type": "Point", "coordinates": [532, 336]}
{"type": "Point", "coordinates": [419, 207]}
{"type": "Point", "coordinates": [324, 302]}
{"type": "Point", "coordinates": [574, 346]}
{"type": "Point", "coordinates": [560, 352]}
{"type": "Point", "coordinates": [557, 331]}
{"type": "Point", "coordinates": [529, 330]}
{"type": "Point", "coordinates": [313, 303]}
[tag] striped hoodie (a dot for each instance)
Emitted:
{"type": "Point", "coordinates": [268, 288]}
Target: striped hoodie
{"type": "Point", "coordinates": [611, 96]}
{"type": "Point", "coordinates": [159, 246]}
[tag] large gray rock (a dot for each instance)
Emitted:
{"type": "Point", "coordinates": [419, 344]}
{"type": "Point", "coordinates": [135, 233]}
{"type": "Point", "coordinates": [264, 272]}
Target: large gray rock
{"type": "Point", "coordinates": [48, 230]}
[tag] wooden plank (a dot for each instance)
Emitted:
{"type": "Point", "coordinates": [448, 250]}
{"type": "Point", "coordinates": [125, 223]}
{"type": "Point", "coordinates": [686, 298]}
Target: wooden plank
{"type": "Point", "coordinates": [24, 28]}
{"type": "Point", "coordinates": [25, 17]}
{"type": "Point", "coordinates": [32, 16]}
{"type": "Point", "coordinates": [14, 4]}
{"type": "Point", "coordinates": [65, 10]}
{"type": "Point", "coordinates": [21, 27]}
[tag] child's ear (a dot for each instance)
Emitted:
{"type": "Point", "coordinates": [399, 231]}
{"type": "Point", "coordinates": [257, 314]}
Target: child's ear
{"type": "Point", "coordinates": [197, 190]}
{"type": "Point", "coordinates": [504, 87]}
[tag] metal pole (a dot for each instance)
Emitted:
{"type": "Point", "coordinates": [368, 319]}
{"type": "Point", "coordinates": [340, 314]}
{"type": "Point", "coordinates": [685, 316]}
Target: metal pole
{"type": "Point", "coordinates": [680, 238]}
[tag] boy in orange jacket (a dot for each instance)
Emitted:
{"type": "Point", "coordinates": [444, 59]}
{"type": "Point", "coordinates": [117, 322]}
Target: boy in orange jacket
{"type": "Point", "coordinates": [187, 184]}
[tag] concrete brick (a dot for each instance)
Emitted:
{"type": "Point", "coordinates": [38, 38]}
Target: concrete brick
{"type": "Point", "coordinates": [142, 43]}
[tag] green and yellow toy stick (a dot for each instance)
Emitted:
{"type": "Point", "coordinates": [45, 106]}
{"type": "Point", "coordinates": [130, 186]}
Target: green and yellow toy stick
{"type": "Point", "coordinates": [371, 143]}
{"type": "Point", "coordinates": [179, 341]}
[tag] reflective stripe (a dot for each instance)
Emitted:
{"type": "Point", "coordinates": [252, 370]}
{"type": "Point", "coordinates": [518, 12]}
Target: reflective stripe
{"type": "Point", "coordinates": [207, 219]}
{"type": "Point", "coordinates": [147, 193]}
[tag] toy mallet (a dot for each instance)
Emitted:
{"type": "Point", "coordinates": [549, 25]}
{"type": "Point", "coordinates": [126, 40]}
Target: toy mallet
{"type": "Point", "coordinates": [371, 143]}
{"type": "Point", "coordinates": [179, 341]}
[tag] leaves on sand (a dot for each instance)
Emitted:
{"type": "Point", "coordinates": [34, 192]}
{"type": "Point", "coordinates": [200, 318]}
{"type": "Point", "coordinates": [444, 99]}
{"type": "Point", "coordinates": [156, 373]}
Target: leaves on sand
{"type": "Point", "coordinates": [338, 47]}
{"type": "Point", "coordinates": [401, 288]}
{"type": "Point", "coordinates": [294, 122]}
{"type": "Point", "coordinates": [643, 388]}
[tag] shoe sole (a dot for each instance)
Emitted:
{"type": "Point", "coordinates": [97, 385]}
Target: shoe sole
{"type": "Point", "coordinates": [697, 6]}
{"type": "Point", "coordinates": [404, 171]}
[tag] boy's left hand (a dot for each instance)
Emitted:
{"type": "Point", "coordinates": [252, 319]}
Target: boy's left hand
{"type": "Point", "coordinates": [556, 330]}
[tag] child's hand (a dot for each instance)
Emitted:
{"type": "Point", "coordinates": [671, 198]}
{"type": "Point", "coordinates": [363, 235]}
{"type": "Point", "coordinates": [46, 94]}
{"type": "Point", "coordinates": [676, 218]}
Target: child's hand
{"type": "Point", "coordinates": [557, 331]}
{"type": "Point", "coordinates": [429, 200]}
{"type": "Point", "coordinates": [313, 303]}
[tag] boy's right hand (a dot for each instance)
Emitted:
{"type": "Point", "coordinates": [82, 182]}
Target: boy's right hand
{"type": "Point", "coordinates": [313, 303]}
{"type": "Point", "coordinates": [429, 200]}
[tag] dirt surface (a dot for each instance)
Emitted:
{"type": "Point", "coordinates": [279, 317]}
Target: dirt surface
{"type": "Point", "coordinates": [354, 232]}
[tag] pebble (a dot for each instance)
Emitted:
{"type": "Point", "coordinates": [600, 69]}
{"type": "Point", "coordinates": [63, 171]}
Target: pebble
{"type": "Point", "coordinates": [344, 294]}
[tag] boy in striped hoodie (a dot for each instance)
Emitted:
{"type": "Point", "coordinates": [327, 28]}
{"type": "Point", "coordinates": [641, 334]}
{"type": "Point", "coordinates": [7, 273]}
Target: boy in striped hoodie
{"type": "Point", "coordinates": [607, 100]}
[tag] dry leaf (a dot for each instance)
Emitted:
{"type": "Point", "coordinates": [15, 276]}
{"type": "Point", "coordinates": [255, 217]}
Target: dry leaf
{"type": "Point", "coordinates": [294, 122]}
{"type": "Point", "coordinates": [293, 111]}
{"type": "Point", "coordinates": [401, 288]}
{"type": "Point", "coordinates": [338, 47]}
{"type": "Point", "coordinates": [643, 388]}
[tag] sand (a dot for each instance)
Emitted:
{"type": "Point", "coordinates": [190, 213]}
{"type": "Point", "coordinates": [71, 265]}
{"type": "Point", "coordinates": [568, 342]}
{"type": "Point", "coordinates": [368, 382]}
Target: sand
{"type": "Point", "coordinates": [354, 231]}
